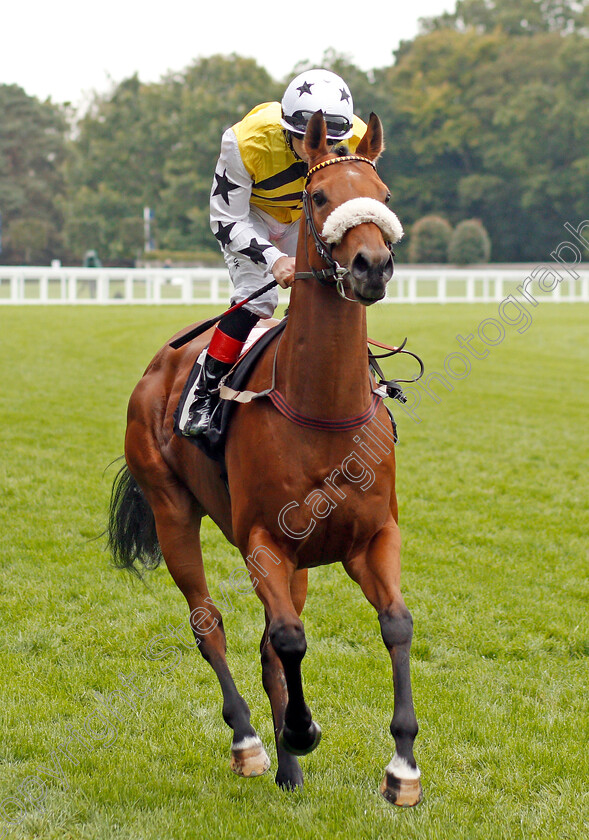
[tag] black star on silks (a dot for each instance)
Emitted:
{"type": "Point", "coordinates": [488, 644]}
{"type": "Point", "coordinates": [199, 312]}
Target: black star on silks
{"type": "Point", "coordinates": [305, 88]}
{"type": "Point", "coordinates": [224, 233]}
{"type": "Point", "coordinates": [224, 186]}
{"type": "Point", "coordinates": [345, 95]}
{"type": "Point", "coordinates": [255, 251]}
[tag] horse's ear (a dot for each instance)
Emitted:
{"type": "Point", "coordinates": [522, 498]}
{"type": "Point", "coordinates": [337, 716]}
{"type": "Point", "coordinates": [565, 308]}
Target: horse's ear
{"type": "Point", "coordinates": [316, 137]}
{"type": "Point", "coordinates": [371, 145]}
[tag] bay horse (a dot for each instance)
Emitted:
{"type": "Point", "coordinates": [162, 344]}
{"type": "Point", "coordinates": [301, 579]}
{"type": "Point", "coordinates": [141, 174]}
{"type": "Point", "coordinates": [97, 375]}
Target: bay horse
{"type": "Point", "coordinates": [293, 497]}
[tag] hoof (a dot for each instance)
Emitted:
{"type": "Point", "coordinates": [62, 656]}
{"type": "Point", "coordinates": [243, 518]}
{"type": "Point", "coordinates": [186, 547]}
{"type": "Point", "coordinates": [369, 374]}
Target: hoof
{"type": "Point", "coordinates": [401, 784]}
{"type": "Point", "coordinates": [296, 743]}
{"type": "Point", "coordinates": [249, 758]}
{"type": "Point", "coordinates": [289, 781]}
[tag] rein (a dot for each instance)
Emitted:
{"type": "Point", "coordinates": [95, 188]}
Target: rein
{"type": "Point", "coordinates": [392, 386]}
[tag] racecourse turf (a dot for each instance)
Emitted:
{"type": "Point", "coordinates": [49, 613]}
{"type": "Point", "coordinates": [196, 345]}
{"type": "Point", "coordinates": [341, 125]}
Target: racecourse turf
{"type": "Point", "coordinates": [493, 493]}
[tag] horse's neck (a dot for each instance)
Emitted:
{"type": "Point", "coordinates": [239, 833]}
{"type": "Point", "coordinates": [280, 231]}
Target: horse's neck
{"type": "Point", "coordinates": [323, 370]}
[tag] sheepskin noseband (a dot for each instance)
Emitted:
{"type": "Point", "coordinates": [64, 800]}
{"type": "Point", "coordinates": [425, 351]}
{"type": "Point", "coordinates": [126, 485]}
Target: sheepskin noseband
{"type": "Point", "coordinates": [358, 211]}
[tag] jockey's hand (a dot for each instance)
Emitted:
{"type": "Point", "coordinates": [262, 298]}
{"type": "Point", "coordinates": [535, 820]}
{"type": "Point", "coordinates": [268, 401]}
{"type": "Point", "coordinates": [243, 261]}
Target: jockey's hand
{"type": "Point", "coordinates": [284, 271]}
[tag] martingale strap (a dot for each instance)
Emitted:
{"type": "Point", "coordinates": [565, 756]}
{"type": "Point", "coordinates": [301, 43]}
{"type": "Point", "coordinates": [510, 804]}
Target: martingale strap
{"type": "Point", "coordinates": [283, 407]}
{"type": "Point", "coordinates": [345, 425]}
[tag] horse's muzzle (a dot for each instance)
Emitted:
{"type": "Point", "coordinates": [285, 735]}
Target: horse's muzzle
{"type": "Point", "coordinates": [370, 274]}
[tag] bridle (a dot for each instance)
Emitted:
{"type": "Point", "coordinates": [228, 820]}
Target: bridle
{"type": "Point", "coordinates": [335, 274]}
{"type": "Point", "coordinates": [332, 276]}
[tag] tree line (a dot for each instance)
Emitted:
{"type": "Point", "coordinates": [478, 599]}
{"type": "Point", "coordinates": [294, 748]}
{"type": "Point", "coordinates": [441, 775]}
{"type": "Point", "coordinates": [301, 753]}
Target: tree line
{"type": "Point", "coordinates": [485, 113]}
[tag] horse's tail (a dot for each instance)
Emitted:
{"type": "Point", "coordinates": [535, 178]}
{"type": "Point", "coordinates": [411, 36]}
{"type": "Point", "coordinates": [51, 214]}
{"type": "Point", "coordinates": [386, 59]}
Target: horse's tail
{"type": "Point", "coordinates": [131, 525]}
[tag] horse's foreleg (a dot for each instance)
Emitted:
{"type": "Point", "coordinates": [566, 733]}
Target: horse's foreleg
{"type": "Point", "coordinates": [378, 574]}
{"type": "Point", "coordinates": [272, 573]}
{"type": "Point", "coordinates": [289, 774]}
{"type": "Point", "coordinates": [178, 528]}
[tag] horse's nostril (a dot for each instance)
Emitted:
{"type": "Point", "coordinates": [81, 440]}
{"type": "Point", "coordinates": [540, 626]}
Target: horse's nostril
{"type": "Point", "coordinates": [360, 266]}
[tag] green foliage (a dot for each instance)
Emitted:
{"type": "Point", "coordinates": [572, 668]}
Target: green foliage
{"type": "Point", "coordinates": [32, 150]}
{"type": "Point", "coordinates": [490, 126]}
{"type": "Point", "coordinates": [98, 219]}
{"type": "Point", "coordinates": [28, 239]}
{"type": "Point", "coordinates": [469, 243]}
{"type": "Point", "coordinates": [429, 240]}
{"type": "Point", "coordinates": [156, 145]}
{"type": "Point", "coordinates": [484, 116]}
{"type": "Point", "coordinates": [515, 17]}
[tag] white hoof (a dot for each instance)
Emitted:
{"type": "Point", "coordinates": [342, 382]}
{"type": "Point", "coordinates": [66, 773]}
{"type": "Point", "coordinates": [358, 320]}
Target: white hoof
{"type": "Point", "coordinates": [401, 784]}
{"type": "Point", "coordinates": [249, 758]}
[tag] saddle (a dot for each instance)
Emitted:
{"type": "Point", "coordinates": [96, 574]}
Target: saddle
{"type": "Point", "coordinates": [213, 444]}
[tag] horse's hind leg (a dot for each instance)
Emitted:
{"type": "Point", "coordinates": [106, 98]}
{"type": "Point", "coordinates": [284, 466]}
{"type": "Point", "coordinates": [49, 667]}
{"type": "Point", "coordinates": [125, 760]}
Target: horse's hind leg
{"type": "Point", "coordinates": [178, 519]}
{"type": "Point", "coordinates": [378, 573]}
{"type": "Point", "coordinates": [289, 774]}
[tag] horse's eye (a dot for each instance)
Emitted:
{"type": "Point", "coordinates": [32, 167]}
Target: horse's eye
{"type": "Point", "coordinates": [388, 198]}
{"type": "Point", "coordinates": [319, 198]}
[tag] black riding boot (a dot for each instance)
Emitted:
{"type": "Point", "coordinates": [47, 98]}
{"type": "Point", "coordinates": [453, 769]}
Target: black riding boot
{"type": "Point", "coordinates": [207, 383]}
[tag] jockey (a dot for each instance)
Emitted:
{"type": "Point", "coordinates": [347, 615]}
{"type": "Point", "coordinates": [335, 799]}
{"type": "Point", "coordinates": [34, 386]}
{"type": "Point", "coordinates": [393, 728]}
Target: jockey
{"type": "Point", "coordinates": [256, 204]}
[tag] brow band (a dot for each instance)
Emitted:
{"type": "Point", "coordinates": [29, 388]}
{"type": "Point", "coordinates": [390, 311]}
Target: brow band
{"type": "Point", "coordinates": [343, 159]}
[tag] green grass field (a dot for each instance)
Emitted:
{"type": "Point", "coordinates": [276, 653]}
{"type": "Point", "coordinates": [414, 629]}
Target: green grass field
{"type": "Point", "coordinates": [493, 496]}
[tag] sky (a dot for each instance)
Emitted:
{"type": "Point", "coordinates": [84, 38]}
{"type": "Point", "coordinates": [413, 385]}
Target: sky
{"type": "Point", "coordinates": [69, 49]}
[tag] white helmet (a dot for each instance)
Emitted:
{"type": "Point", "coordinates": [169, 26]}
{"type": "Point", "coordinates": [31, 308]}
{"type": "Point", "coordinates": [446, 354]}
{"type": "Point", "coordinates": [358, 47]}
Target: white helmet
{"type": "Point", "coordinates": [318, 90]}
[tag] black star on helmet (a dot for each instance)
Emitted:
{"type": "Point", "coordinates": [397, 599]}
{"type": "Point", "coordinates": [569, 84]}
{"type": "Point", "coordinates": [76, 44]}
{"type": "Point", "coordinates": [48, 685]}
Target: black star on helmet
{"type": "Point", "coordinates": [345, 95]}
{"type": "Point", "coordinates": [224, 186]}
{"type": "Point", "coordinates": [305, 88]}
{"type": "Point", "coordinates": [255, 251]}
{"type": "Point", "coordinates": [224, 233]}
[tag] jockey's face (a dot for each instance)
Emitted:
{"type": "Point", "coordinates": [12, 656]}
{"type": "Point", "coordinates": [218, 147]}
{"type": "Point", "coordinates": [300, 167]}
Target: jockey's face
{"type": "Point", "coordinates": [298, 144]}
{"type": "Point", "coordinates": [299, 147]}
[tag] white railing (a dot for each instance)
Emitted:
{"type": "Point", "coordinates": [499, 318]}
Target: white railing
{"type": "Point", "coordinates": [442, 284]}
